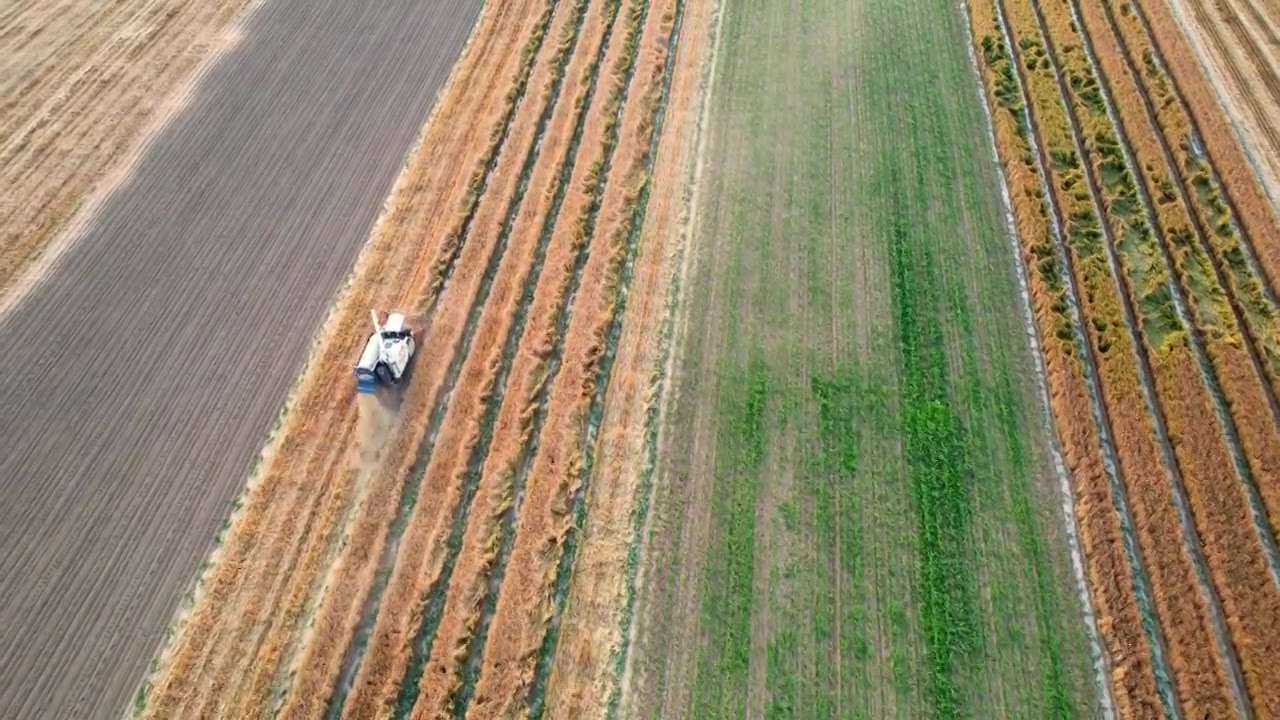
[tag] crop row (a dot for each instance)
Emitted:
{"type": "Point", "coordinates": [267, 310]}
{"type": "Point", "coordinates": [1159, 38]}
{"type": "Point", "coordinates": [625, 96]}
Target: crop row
{"type": "Point", "coordinates": [462, 476]}
{"type": "Point", "coordinates": [512, 671]}
{"type": "Point", "coordinates": [1223, 261]}
{"type": "Point", "coordinates": [1218, 489]}
{"type": "Point", "coordinates": [1173, 360]}
{"type": "Point", "coordinates": [349, 609]}
{"type": "Point", "coordinates": [450, 667]}
{"type": "Point", "coordinates": [256, 539]}
{"type": "Point", "coordinates": [1171, 52]}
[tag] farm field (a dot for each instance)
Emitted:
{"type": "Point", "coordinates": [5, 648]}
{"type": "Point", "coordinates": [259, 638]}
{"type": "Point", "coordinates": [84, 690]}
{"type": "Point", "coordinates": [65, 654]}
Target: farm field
{"type": "Point", "coordinates": [1236, 45]}
{"type": "Point", "coordinates": [776, 358]}
{"type": "Point", "coordinates": [180, 315]}
{"type": "Point", "coordinates": [1151, 253]}
{"type": "Point", "coordinates": [80, 83]}
{"type": "Point", "coordinates": [856, 448]}
{"type": "Point", "coordinates": [410, 555]}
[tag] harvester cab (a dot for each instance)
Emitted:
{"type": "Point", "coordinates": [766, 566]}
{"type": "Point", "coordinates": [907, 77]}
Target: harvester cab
{"type": "Point", "coordinates": [386, 354]}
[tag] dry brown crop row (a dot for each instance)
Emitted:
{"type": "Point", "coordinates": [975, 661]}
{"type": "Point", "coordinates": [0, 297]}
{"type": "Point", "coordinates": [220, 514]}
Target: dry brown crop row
{"type": "Point", "coordinates": [1219, 505]}
{"type": "Point", "coordinates": [1101, 534]}
{"type": "Point", "coordinates": [1245, 389]}
{"type": "Point", "coordinates": [1257, 215]}
{"type": "Point", "coordinates": [592, 630]}
{"type": "Point", "coordinates": [1218, 223]}
{"type": "Point", "coordinates": [441, 675]}
{"type": "Point", "coordinates": [1199, 672]}
{"type": "Point", "coordinates": [421, 553]}
{"type": "Point", "coordinates": [524, 610]}
{"type": "Point", "coordinates": [1109, 572]}
{"type": "Point", "coordinates": [238, 572]}
{"type": "Point", "coordinates": [340, 612]}
{"type": "Point", "coordinates": [74, 110]}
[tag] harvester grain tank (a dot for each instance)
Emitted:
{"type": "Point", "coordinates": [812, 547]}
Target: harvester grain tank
{"type": "Point", "coordinates": [386, 354]}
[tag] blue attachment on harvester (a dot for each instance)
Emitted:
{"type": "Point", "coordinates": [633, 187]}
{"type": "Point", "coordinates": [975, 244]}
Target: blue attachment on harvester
{"type": "Point", "coordinates": [366, 381]}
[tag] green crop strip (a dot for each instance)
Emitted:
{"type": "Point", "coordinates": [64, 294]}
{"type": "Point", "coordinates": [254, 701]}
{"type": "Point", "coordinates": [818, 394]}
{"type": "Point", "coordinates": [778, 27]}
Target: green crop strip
{"type": "Point", "coordinates": [936, 454]}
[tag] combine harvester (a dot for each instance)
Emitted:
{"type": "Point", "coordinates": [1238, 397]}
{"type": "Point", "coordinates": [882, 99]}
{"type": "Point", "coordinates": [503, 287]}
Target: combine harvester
{"type": "Point", "coordinates": [386, 355]}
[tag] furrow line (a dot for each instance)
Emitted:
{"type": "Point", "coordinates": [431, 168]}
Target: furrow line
{"type": "Point", "coordinates": [579, 670]}
{"type": "Point", "coordinates": [1235, 268]}
{"type": "Point", "coordinates": [1226, 154]}
{"type": "Point", "coordinates": [1179, 401]}
{"type": "Point", "coordinates": [443, 605]}
{"type": "Point", "coordinates": [447, 655]}
{"type": "Point", "coordinates": [1171, 218]}
{"type": "Point", "coordinates": [1239, 397]}
{"type": "Point", "coordinates": [1161, 535]}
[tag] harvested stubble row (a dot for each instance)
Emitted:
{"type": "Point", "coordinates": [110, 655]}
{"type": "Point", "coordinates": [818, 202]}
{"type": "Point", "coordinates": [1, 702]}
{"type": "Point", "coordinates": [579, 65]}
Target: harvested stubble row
{"type": "Point", "coordinates": [426, 197]}
{"type": "Point", "coordinates": [524, 611]}
{"type": "Point", "coordinates": [577, 119]}
{"type": "Point", "coordinates": [1221, 331]}
{"type": "Point", "coordinates": [1256, 215]}
{"type": "Point", "coordinates": [1235, 553]}
{"type": "Point", "coordinates": [340, 613]}
{"type": "Point", "coordinates": [1218, 221]}
{"type": "Point", "coordinates": [76, 91]}
{"type": "Point", "coordinates": [446, 481]}
{"type": "Point", "coordinates": [1109, 572]}
{"type": "Point", "coordinates": [1199, 672]}
{"type": "Point", "coordinates": [591, 650]}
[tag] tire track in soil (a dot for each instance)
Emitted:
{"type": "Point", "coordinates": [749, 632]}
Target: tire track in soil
{"type": "Point", "coordinates": [413, 583]}
{"type": "Point", "coordinates": [346, 613]}
{"type": "Point", "coordinates": [298, 434]}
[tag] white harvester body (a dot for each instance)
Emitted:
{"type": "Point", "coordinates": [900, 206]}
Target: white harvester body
{"type": "Point", "coordinates": [386, 354]}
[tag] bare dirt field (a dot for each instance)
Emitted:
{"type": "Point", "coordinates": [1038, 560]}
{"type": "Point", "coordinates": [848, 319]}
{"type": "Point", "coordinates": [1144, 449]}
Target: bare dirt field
{"type": "Point", "coordinates": [140, 377]}
{"type": "Point", "coordinates": [79, 82]}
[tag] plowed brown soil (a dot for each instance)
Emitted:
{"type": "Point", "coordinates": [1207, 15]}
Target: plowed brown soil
{"type": "Point", "coordinates": [79, 83]}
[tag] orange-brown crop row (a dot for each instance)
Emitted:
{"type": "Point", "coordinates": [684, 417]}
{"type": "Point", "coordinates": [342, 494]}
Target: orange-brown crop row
{"type": "Point", "coordinates": [78, 90]}
{"type": "Point", "coordinates": [1256, 214]}
{"type": "Point", "coordinates": [421, 553]}
{"type": "Point", "coordinates": [1199, 673]}
{"type": "Point", "coordinates": [442, 674]}
{"type": "Point", "coordinates": [342, 608]}
{"type": "Point", "coordinates": [1220, 507]}
{"type": "Point", "coordinates": [524, 608]}
{"type": "Point", "coordinates": [256, 540]}
{"type": "Point", "coordinates": [1260, 321]}
{"type": "Point", "coordinates": [593, 628]}
{"type": "Point", "coordinates": [1110, 576]}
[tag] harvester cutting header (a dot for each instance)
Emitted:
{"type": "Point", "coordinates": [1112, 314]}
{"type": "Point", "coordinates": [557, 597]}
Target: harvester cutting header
{"type": "Point", "coordinates": [386, 354]}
